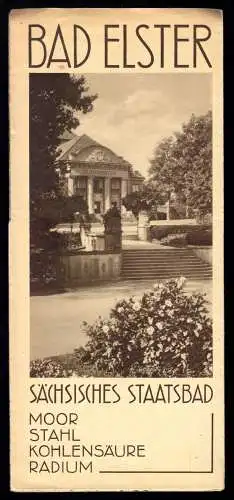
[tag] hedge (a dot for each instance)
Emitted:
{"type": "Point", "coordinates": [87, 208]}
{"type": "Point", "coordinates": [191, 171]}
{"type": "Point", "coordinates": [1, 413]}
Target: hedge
{"type": "Point", "coordinates": [202, 237]}
{"type": "Point", "coordinates": [159, 232]}
{"type": "Point", "coordinates": [175, 240]}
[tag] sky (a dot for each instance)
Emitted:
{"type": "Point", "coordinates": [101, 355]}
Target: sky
{"type": "Point", "coordinates": [134, 112]}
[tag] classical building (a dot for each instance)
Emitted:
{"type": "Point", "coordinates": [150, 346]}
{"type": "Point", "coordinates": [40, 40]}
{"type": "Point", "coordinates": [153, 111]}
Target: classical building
{"type": "Point", "coordinates": [96, 173]}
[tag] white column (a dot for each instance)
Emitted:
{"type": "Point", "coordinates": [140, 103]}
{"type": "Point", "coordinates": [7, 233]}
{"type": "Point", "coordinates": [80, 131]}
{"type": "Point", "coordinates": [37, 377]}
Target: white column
{"type": "Point", "coordinates": [70, 186]}
{"type": "Point", "coordinates": [142, 225]}
{"type": "Point", "coordinates": [90, 195]}
{"type": "Point", "coordinates": [124, 192]}
{"type": "Point", "coordinates": [107, 193]}
{"type": "Point", "coordinates": [124, 188]}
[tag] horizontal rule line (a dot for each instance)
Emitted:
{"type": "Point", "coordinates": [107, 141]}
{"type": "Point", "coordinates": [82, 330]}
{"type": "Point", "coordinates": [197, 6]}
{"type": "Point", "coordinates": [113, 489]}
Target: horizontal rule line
{"type": "Point", "coordinates": [210, 471]}
{"type": "Point", "coordinates": [155, 471]}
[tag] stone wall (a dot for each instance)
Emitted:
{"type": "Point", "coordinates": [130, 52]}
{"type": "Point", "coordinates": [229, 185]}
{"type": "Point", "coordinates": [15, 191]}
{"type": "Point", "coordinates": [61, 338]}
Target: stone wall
{"type": "Point", "coordinates": [173, 222]}
{"type": "Point", "coordinates": [204, 253]}
{"type": "Point", "coordinates": [89, 267]}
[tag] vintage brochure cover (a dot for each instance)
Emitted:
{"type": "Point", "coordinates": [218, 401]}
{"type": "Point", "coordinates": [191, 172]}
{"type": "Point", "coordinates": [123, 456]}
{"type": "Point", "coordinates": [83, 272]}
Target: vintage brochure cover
{"type": "Point", "coordinates": [116, 250]}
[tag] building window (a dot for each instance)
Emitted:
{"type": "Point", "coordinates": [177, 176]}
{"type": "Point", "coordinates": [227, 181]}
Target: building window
{"type": "Point", "coordinates": [135, 188]}
{"type": "Point", "coordinates": [115, 185]}
{"type": "Point", "coordinates": [116, 191]}
{"type": "Point", "coordinates": [98, 185]}
{"type": "Point", "coordinates": [80, 186]}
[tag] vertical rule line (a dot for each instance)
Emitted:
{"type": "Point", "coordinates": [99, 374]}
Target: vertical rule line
{"type": "Point", "coordinates": [212, 442]}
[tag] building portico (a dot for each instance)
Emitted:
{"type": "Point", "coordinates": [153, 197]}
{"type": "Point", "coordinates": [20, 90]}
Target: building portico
{"type": "Point", "coordinates": [97, 174]}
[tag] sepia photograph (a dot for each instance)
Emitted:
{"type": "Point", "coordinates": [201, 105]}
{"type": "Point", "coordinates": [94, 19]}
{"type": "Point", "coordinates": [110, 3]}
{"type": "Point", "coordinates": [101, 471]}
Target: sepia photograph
{"type": "Point", "coordinates": [116, 250]}
{"type": "Point", "coordinates": [120, 225]}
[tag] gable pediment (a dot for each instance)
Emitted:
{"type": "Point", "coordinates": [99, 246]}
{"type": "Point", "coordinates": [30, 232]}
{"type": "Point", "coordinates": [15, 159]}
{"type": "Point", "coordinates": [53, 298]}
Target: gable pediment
{"type": "Point", "coordinates": [85, 149]}
{"type": "Point", "coordinates": [96, 154]}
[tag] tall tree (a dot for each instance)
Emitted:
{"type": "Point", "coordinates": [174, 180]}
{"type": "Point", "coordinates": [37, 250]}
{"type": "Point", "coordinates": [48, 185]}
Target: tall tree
{"type": "Point", "coordinates": [162, 166]}
{"type": "Point", "coordinates": [55, 101]}
{"type": "Point", "coordinates": [183, 164]}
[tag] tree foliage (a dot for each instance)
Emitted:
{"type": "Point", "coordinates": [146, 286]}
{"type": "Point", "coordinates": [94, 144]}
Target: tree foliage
{"type": "Point", "coordinates": [183, 164]}
{"type": "Point", "coordinates": [60, 208]}
{"type": "Point", "coordinates": [48, 211]}
{"type": "Point", "coordinates": [55, 101]}
{"type": "Point", "coordinates": [145, 199]}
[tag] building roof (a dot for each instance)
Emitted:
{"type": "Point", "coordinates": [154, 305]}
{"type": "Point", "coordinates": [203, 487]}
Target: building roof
{"type": "Point", "coordinates": [74, 144]}
{"type": "Point", "coordinates": [78, 143]}
{"type": "Point", "coordinates": [67, 136]}
{"type": "Point", "coordinates": [65, 147]}
{"type": "Point", "coordinates": [137, 175]}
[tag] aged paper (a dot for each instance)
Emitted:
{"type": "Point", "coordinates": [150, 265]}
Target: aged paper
{"type": "Point", "coordinates": [115, 416]}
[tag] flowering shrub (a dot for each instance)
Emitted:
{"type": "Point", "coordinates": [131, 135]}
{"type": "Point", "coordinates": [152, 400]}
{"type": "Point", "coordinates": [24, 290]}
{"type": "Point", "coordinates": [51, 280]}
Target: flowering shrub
{"type": "Point", "coordinates": [163, 334]}
{"type": "Point", "coordinates": [175, 240]}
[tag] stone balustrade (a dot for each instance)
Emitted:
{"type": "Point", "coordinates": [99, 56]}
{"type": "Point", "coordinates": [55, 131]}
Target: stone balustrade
{"type": "Point", "coordinates": [95, 242]}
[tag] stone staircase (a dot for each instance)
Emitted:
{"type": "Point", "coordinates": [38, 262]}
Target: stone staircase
{"type": "Point", "coordinates": [160, 263]}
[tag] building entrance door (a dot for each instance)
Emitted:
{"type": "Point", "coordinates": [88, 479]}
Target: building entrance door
{"type": "Point", "coordinates": [98, 195]}
{"type": "Point", "coordinates": [116, 191]}
{"type": "Point", "coordinates": [97, 207]}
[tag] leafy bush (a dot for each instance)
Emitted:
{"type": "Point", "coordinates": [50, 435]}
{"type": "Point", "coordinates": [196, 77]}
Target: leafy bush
{"type": "Point", "coordinates": [43, 270]}
{"type": "Point", "coordinates": [159, 232]}
{"type": "Point", "coordinates": [201, 237]}
{"type": "Point", "coordinates": [165, 333]}
{"type": "Point", "coordinates": [69, 241]}
{"type": "Point", "coordinates": [175, 240]}
{"type": "Point", "coordinates": [67, 365]}
{"type": "Point", "coordinates": [48, 368]}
